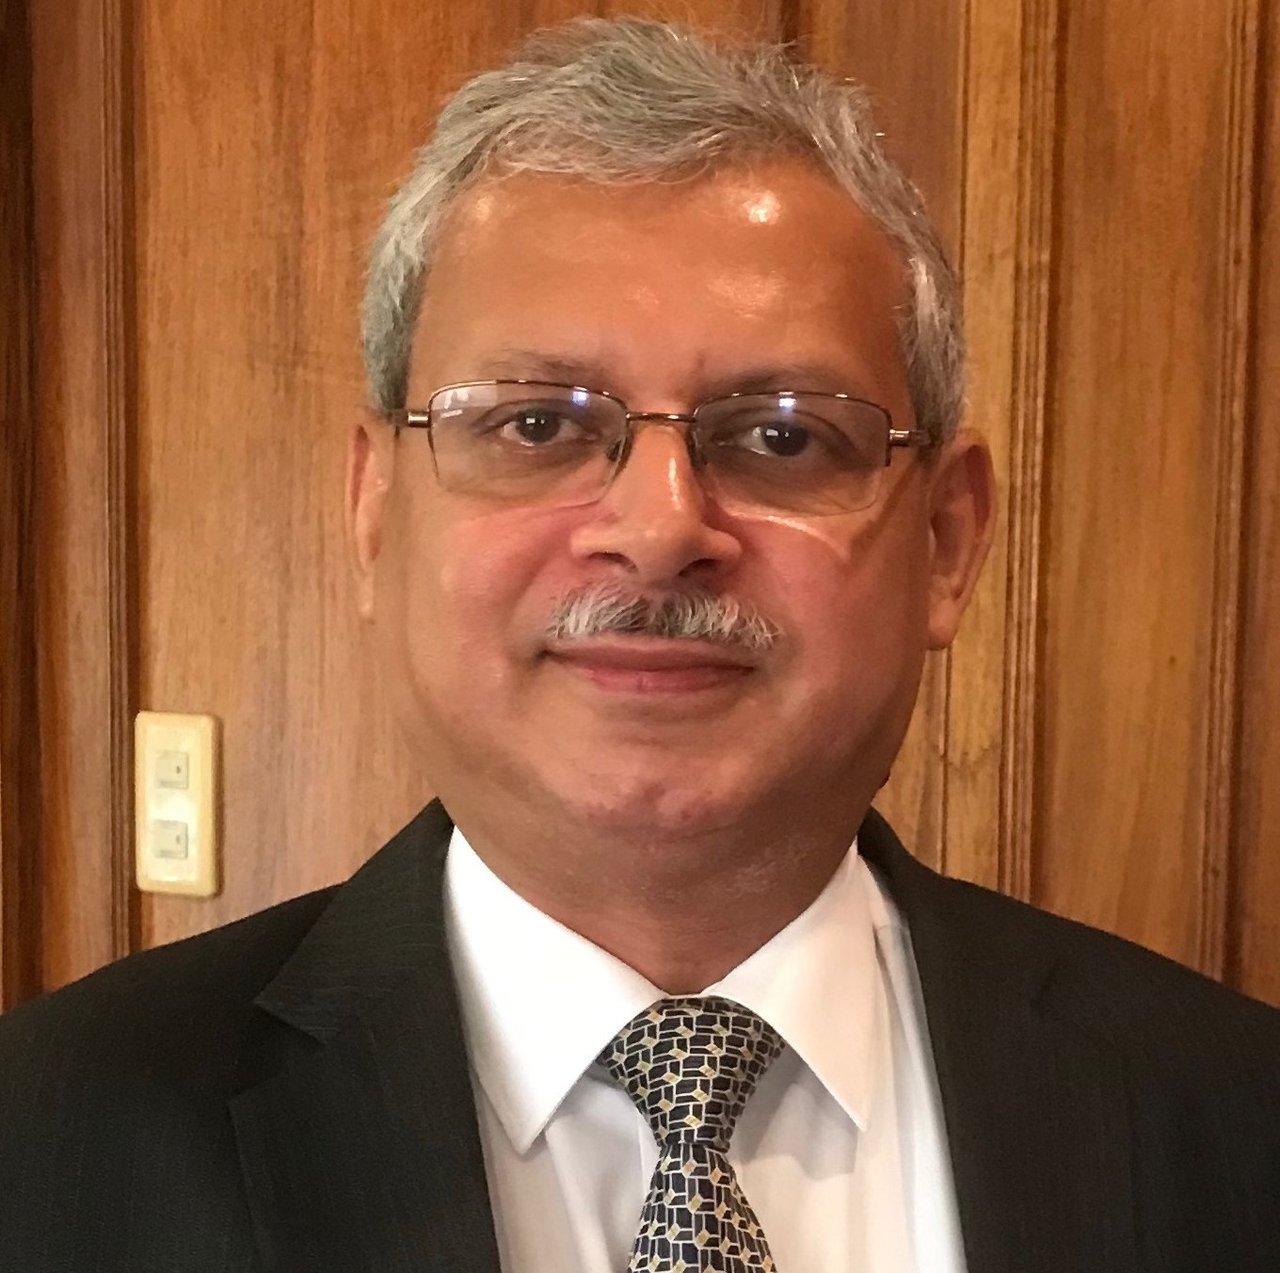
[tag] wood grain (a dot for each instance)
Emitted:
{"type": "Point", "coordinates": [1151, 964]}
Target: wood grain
{"type": "Point", "coordinates": [1229, 424]}
{"type": "Point", "coordinates": [1010, 136]}
{"type": "Point", "coordinates": [269, 139]}
{"type": "Point", "coordinates": [20, 930]}
{"type": "Point", "coordinates": [1253, 962]}
{"type": "Point", "coordinates": [85, 602]}
{"type": "Point", "coordinates": [744, 19]}
{"type": "Point", "coordinates": [1136, 463]}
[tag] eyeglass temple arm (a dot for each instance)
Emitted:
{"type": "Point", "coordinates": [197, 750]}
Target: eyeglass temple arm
{"type": "Point", "coordinates": [405, 418]}
{"type": "Point", "coordinates": [910, 437]}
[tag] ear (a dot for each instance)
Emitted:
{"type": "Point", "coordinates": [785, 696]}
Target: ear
{"type": "Point", "coordinates": [962, 501]}
{"type": "Point", "coordinates": [370, 455]}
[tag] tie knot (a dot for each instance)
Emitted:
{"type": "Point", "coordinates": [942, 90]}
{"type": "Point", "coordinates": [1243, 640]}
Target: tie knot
{"type": "Point", "coordinates": [690, 1064]}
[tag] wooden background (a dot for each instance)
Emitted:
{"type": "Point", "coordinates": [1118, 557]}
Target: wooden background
{"type": "Point", "coordinates": [189, 187]}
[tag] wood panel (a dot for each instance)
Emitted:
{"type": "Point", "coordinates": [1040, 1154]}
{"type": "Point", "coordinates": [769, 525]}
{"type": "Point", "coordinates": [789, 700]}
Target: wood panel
{"type": "Point", "coordinates": [268, 138]}
{"type": "Point", "coordinates": [1010, 125]}
{"type": "Point", "coordinates": [770, 20]}
{"type": "Point", "coordinates": [19, 724]}
{"type": "Point", "coordinates": [84, 604]}
{"type": "Point", "coordinates": [1138, 602]}
{"type": "Point", "coordinates": [1254, 963]}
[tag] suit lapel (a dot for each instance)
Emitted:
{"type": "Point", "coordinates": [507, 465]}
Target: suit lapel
{"type": "Point", "coordinates": [362, 1153]}
{"type": "Point", "coordinates": [1036, 1110]}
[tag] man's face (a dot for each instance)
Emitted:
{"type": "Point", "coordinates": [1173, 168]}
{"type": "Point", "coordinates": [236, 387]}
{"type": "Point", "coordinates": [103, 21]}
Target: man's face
{"type": "Point", "coordinates": [664, 295]}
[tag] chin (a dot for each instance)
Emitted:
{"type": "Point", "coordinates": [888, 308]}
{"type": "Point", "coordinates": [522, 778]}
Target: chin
{"type": "Point", "coordinates": [650, 805]}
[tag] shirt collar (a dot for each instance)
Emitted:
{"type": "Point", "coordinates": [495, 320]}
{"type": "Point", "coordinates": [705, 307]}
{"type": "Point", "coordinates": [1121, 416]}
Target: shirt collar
{"type": "Point", "coordinates": [815, 983]}
{"type": "Point", "coordinates": [539, 1001]}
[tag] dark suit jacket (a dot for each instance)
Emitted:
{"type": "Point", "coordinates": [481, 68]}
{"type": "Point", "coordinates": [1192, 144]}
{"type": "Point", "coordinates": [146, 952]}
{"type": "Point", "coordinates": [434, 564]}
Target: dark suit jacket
{"type": "Point", "coordinates": [291, 1093]}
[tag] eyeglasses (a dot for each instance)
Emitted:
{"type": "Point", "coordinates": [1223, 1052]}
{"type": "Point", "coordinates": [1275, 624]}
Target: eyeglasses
{"type": "Point", "coordinates": [555, 445]}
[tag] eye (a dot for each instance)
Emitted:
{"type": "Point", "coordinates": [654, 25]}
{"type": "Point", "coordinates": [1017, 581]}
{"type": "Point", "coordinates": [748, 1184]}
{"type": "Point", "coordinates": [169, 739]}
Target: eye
{"type": "Point", "coordinates": [536, 426]}
{"type": "Point", "coordinates": [783, 438]}
{"type": "Point", "coordinates": [776, 435]}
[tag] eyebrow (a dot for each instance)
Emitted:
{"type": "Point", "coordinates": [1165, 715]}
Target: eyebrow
{"type": "Point", "coordinates": [522, 364]}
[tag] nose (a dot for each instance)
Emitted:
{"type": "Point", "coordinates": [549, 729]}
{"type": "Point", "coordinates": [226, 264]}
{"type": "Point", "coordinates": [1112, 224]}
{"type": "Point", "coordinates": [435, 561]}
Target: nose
{"type": "Point", "coordinates": [652, 522]}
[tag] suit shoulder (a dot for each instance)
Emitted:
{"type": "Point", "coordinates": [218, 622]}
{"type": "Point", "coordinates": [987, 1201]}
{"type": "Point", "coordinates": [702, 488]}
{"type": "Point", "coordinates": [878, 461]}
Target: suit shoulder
{"type": "Point", "coordinates": [117, 1087]}
{"type": "Point", "coordinates": [1139, 1000]}
{"type": "Point", "coordinates": [159, 1008]}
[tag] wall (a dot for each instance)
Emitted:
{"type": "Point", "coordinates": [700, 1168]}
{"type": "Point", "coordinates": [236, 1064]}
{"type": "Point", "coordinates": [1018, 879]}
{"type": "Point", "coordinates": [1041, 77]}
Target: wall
{"type": "Point", "coordinates": [203, 181]}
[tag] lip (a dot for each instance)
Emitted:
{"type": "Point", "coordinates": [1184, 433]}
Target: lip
{"type": "Point", "coordinates": [651, 665]}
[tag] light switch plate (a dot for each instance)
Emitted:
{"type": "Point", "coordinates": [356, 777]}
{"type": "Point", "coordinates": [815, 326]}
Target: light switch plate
{"type": "Point", "coordinates": [176, 801]}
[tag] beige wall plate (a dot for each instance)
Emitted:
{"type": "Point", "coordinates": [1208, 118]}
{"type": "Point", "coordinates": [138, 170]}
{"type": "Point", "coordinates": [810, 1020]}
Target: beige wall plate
{"type": "Point", "coordinates": [176, 802]}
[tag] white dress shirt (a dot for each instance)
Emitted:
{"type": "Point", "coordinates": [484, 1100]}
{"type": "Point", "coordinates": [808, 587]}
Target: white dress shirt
{"type": "Point", "coordinates": [841, 1150]}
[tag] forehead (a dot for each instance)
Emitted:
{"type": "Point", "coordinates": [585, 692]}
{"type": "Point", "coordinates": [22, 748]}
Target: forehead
{"type": "Point", "coordinates": [688, 282]}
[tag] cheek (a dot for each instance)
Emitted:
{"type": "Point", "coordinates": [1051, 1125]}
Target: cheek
{"type": "Point", "coordinates": [478, 583]}
{"type": "Point", "coordinates": [854, 599]}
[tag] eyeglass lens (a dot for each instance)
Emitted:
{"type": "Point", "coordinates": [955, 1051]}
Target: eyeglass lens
{"type": "Point", "coordinates": [548, 444]}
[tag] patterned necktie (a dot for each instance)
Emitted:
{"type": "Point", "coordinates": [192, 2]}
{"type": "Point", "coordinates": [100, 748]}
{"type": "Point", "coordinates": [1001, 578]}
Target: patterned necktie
{"type": "Point", "coordinates": [690, 1065]}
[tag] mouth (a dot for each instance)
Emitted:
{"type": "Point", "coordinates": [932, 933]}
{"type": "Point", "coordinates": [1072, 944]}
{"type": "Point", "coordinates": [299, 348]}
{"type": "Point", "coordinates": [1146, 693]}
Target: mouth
{"type": "Point", "coordinates": [651, 665]}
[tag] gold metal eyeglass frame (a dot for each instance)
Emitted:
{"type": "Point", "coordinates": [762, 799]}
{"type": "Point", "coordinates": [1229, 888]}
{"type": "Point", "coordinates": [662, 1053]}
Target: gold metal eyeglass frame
{"type": "Point", "coordinates": [409, 417]}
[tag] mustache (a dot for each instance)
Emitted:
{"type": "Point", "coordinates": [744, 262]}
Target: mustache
{"type": "Point", "coordinates": [691, 616]}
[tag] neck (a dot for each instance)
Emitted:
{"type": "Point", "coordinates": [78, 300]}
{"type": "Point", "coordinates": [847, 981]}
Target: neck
{"type": "Point", "coordinates": [683, 911]}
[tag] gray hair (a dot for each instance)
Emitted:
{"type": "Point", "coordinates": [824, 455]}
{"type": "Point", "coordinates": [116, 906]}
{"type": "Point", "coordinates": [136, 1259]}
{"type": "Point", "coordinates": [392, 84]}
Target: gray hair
{"type": "Point", "coordinates": [630, 100]}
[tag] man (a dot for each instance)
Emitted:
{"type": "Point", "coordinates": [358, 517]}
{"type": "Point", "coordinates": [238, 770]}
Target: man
{"type": "Point", "coordinates": [664, 503]}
